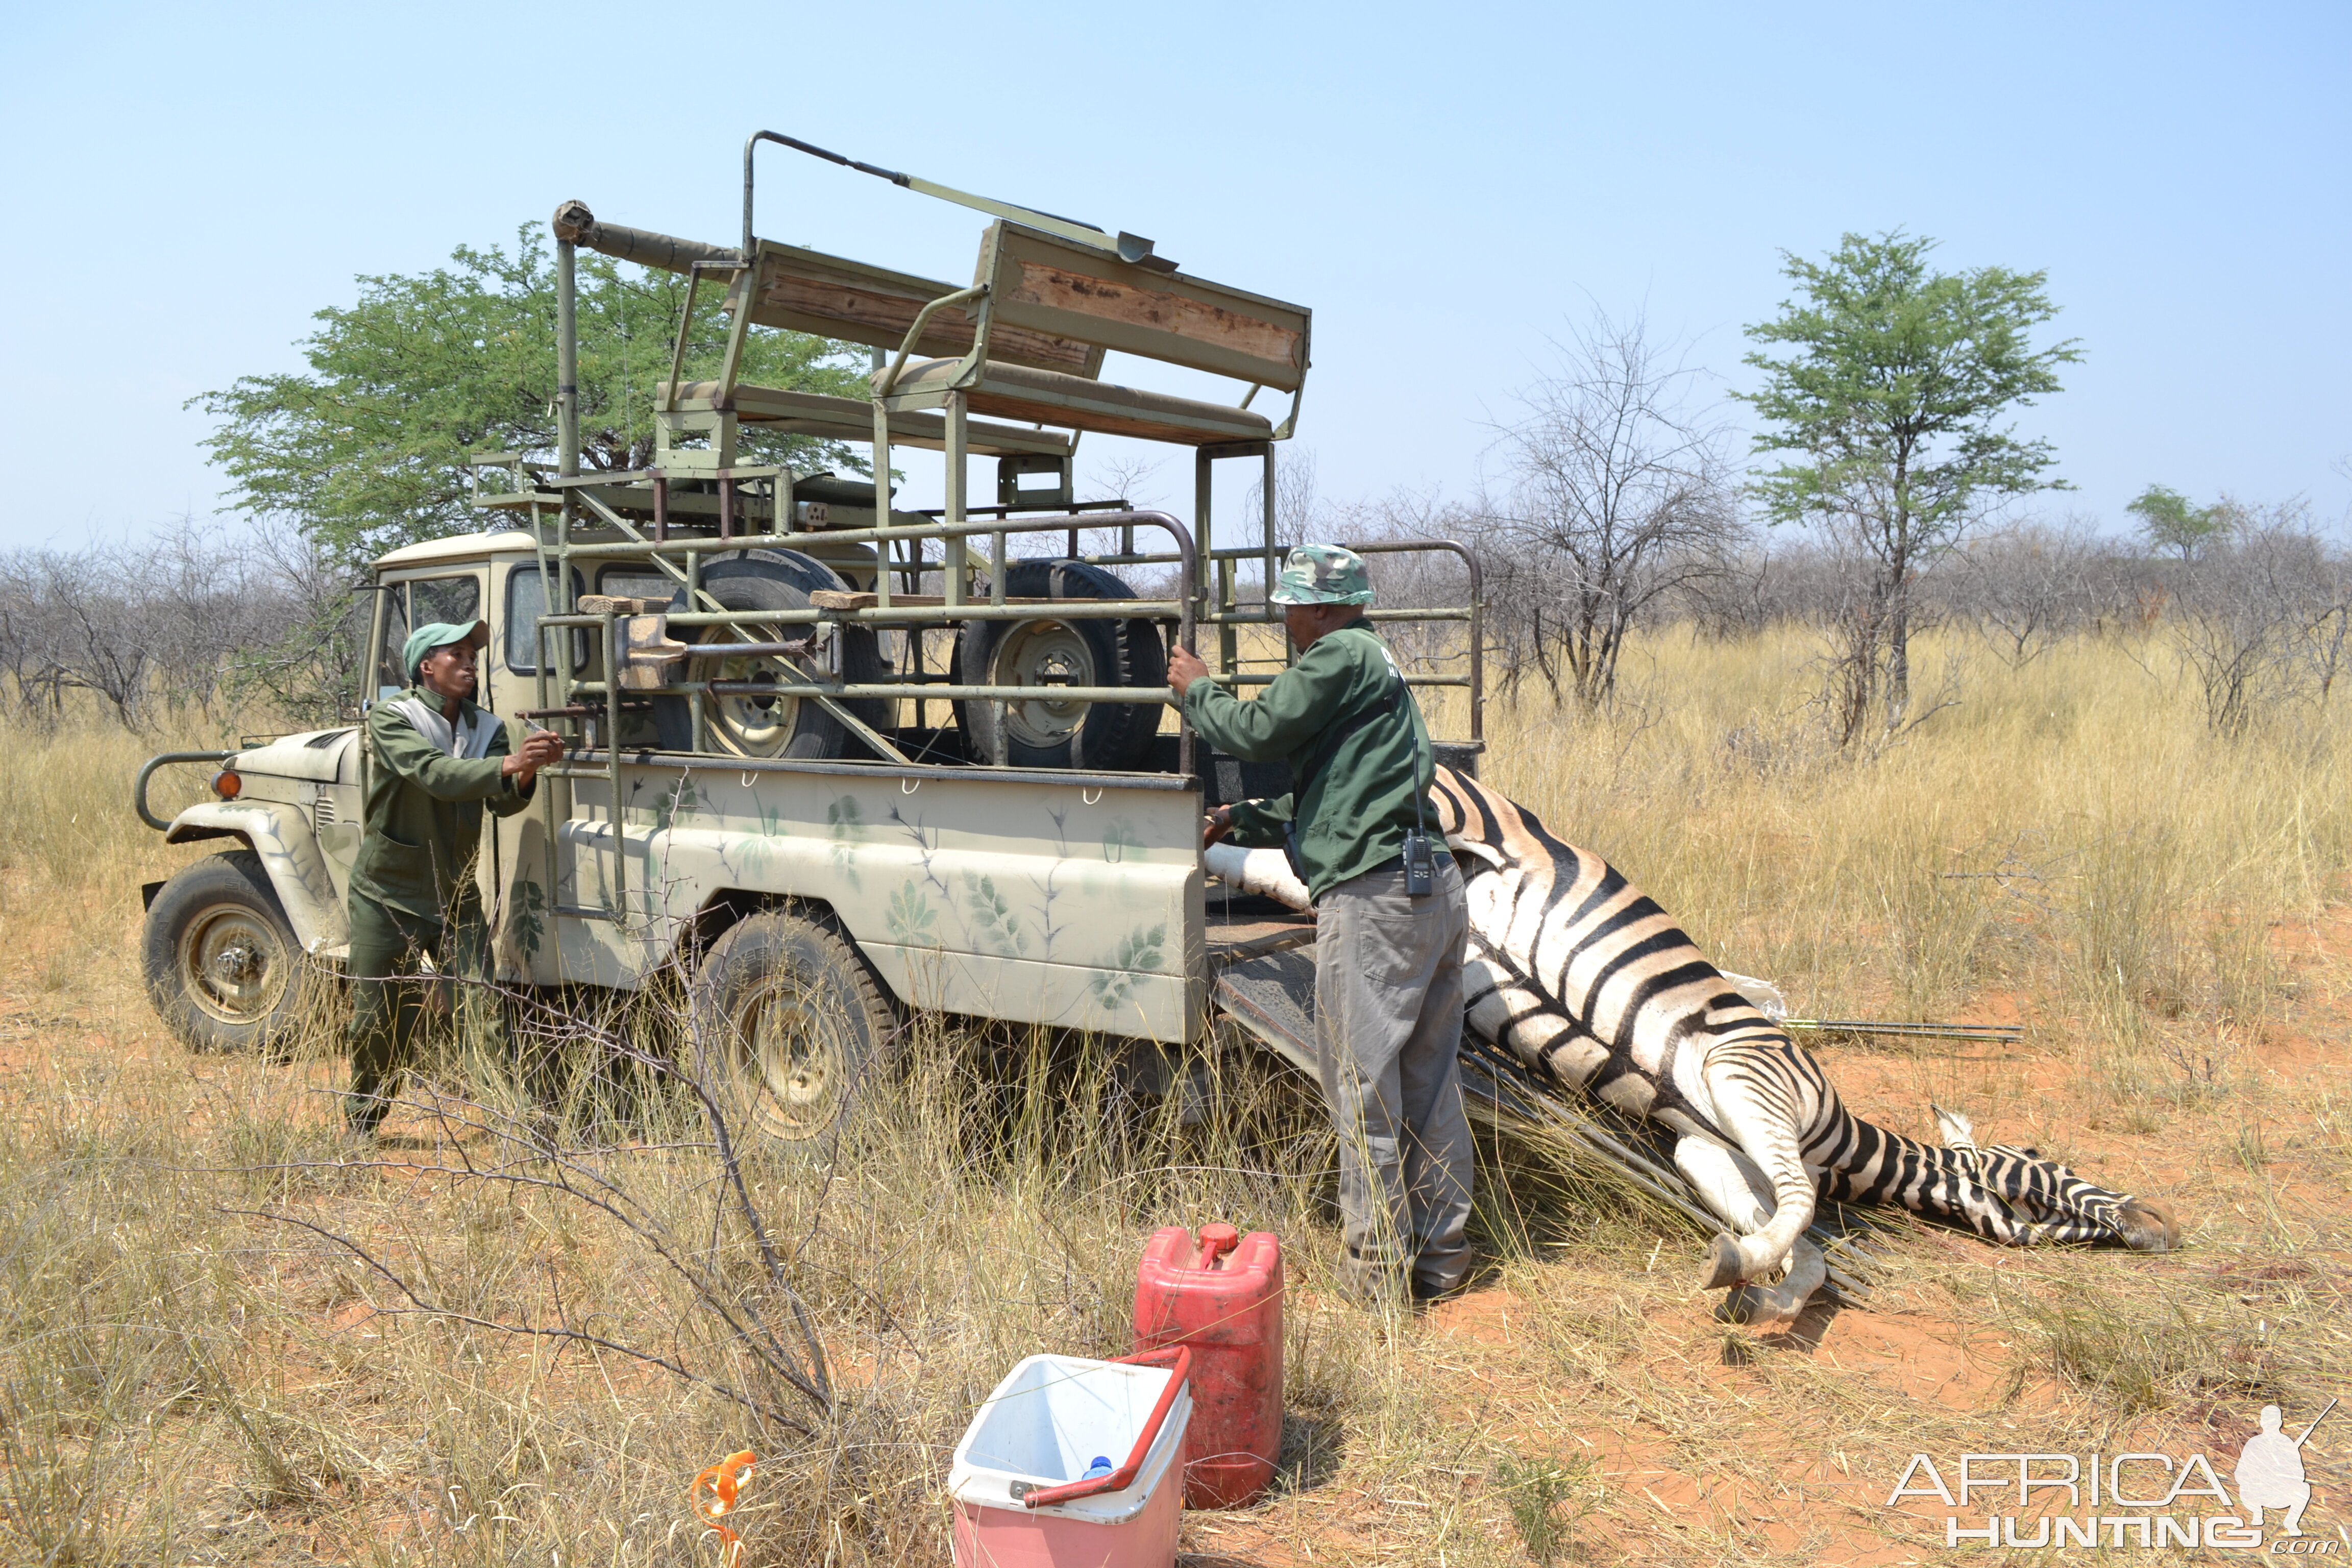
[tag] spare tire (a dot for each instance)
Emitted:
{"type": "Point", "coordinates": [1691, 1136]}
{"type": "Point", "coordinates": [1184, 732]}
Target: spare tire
{"type": "Point", "coordinates": [747, 725]}
{"type": "Point", "coordinates": [1109, 736]}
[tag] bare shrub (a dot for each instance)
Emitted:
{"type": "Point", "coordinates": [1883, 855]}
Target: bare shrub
{"type": "Point", "coordinates": [191, 620]}
{"type": "Point", "coordinates": [2027, 586]}
{"type": "Point", "coordinates": [1620, 496]}
{"type": "Point", "coordinates": [2258, 613]}
{"type": "Point", "coordinates": [1300, 515]}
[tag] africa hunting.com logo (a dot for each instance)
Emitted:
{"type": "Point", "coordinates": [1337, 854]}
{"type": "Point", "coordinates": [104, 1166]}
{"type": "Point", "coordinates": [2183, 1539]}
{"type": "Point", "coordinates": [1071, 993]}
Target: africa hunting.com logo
{"type": "Point", "coordinates": [2147, 1501]}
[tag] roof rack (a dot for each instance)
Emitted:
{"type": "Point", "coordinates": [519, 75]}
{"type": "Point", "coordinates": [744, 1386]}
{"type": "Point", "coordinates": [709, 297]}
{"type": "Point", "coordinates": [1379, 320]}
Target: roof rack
{"type": "Point", "coordinates": [1009, 368]}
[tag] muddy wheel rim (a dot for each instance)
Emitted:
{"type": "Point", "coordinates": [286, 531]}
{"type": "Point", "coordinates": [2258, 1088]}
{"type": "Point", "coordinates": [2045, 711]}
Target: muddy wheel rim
{"type": "Point", "coordinates": [747, 723]}
{"type": "Point", "coordinates": [790, 1061]}
{"type": "Point", "coordinates": [234, 966]}
{"type": "Point", "coordinates": [1045, 654]}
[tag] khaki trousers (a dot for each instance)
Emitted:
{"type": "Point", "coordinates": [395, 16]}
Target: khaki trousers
{"type": "Point", "coordinates": [1388, 1035]}
{"type": "Point", "coordinates": [390, 996]}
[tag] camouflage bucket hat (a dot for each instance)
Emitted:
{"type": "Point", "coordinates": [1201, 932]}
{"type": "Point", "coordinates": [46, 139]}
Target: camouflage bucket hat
{"type": "Point", "coordinates": [1323, 574]}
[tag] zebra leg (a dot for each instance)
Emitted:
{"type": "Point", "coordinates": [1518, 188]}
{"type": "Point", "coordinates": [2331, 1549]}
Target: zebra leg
{"type": "Point", "coordinates": [1727, 1183]}
{"type": "Point", "coordinates": [1752, 1107]}
{"type": "Point", "coordinates": [1733, 1186]}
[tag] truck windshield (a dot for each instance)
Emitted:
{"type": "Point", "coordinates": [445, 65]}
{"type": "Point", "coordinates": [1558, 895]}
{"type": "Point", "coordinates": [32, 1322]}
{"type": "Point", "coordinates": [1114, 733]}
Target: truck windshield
{"type": "Point", "coordinates": [418, 602]}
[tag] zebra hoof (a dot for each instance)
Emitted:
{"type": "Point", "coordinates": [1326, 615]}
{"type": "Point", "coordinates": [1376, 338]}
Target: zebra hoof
{"type": "Point", "coordinates": [1725, 1256]}
{"type": "Point", "coordinates": [2148, 1228]}
{"type": "Point", "coordinates": [1738, 1307]}
{"type": "Point", "coordinates": [1755, 1306]}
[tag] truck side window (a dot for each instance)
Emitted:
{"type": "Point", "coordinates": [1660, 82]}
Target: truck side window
{"type": "Point", "coordinates": [526, 602]}
{"type": "Point", "coordinates": [635, 583]}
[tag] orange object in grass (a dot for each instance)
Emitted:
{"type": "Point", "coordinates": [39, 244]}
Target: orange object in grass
{"type": "Point", "coordinates": [725, 1479]}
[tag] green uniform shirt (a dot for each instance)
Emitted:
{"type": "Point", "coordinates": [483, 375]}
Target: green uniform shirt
{"type": "Point", "coordinates": [1358, 806]}
{"type": "Point", "coordinates": [424, 805]}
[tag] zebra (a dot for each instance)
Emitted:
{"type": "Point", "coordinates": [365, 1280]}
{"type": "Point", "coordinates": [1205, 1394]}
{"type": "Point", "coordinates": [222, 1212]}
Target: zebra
{"type": "Point", "coordinates": [1577, 971]}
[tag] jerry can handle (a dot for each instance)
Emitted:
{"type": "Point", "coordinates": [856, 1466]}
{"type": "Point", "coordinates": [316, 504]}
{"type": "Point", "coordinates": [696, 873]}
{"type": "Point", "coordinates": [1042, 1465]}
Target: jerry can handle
{"type": "Point", "coordinates": [1123, 1477]}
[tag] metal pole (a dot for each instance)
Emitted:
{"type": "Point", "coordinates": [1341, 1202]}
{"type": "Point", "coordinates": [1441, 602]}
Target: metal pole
{"type": "Point", "coordinates": [567, 361]}
{"type": "Point", "coordinates": [612, 765]}
{"type": "Point", "coordinates": [958, 565]}
{"type": "Point", "coordinates": [882, 489]}
{"type": "Point", "coordinates": [559, 594]}
{"type": "Point", "coordinates": [696, 709]}
{"type": "Point", "coordinates": [1272, 570]}
{"type": "Point", "coordinates": [1203, 483]}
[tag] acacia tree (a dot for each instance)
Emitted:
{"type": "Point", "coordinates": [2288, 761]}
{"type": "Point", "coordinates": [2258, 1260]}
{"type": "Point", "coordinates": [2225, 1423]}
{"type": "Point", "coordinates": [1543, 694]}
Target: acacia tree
{"type": "Point", "coordinates": [1619, 497]}
{"type": "Point", "coordinates": [1893, 398]}
{"type": "Point", "coordinates": [366, 450]}
{"type": "Point", "coordinates": [2168, 521]}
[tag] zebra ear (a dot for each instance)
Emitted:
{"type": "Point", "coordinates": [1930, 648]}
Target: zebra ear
{"type": "Point", "coordinates": [1958, 1130]}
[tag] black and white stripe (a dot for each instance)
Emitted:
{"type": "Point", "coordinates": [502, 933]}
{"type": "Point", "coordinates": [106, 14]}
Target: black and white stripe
{"type": "Point", "coordinates": [1576, 970]}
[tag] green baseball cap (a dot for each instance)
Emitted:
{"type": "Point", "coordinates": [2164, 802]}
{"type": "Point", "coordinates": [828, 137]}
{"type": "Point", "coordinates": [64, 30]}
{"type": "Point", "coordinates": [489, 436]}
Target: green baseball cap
{"type": "Point", "coordinates": [439, 633]}
{"type": "Point", "coordinates": [1323, 574]}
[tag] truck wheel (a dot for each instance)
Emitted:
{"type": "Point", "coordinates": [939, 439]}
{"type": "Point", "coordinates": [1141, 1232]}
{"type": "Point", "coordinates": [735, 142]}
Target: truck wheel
{"type": "Point", "coordinates": [1113, 737]}
{"type": "Point", "coordinates": [220, 957]}
{"type": "Point", "coordinates": [749, 724]}
{"type": "Point", "coordinates": [792, 1029]}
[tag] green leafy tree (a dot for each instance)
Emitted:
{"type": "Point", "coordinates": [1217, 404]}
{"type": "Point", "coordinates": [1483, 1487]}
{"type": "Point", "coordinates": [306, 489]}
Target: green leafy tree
{"type": "Point", "coordinates": [2168, 521]}
{"type": "Point", "coordinates": [365, 451]}
{"type": "Point", "coordinates": [1891, 395]}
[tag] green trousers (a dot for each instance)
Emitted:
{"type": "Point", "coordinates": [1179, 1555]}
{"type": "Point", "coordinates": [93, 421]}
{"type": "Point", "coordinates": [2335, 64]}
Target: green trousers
{"type": "Point", "coordinates": [391, 996]}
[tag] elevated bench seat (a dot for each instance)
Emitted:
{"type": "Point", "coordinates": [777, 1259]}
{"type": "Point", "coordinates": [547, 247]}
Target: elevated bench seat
{"type": "Point", "coordinates": [1018, 391]}
{"type": "Point", "coordinates": [1040, 288]}
{"type": "Point", "coordinates": [849, 419]}
{"type": "Point", "coordinates": [1025, 344]}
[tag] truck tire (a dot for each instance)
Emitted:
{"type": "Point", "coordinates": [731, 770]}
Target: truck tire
{"type": "Point", "coordinates": [221, 960]}
{"type": "Point", "coordinates": [1112, 737]}
{"type": "Point", "coordinates": [792, 1029]}
{"type": "Point", "coordinates": [763, 727]}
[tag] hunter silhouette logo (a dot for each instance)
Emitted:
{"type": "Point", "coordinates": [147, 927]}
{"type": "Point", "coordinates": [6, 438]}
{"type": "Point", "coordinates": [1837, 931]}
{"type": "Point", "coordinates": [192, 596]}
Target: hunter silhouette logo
{"type": "Point", "coordinates": [2270, 1471]}
{"type": "Point", "coordinates": [2148, 1500]}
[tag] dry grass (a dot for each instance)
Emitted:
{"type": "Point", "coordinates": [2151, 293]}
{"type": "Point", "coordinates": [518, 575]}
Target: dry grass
{"type": "Point", "coordinates": [184, 1378]}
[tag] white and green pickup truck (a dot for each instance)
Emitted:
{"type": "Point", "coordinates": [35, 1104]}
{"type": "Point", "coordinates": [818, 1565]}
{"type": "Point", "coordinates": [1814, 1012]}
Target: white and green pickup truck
{"type": "Point", "coordinates": [829, 763]}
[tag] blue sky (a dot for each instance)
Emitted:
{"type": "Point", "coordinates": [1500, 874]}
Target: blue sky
{"type": "Point", "coordinates": [1445, 188]}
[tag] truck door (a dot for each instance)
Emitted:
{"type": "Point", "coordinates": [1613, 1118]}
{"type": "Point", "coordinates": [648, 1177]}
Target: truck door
{"type": "Point", "coordinates": [421, 600]}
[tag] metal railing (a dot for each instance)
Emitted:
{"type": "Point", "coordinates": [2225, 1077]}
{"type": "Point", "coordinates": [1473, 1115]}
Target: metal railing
{"type": "Point", "coordinates": [561, 504]}
{"type": "Point", "coordinates": [681, 558]}
{"type": "Point", "coordinates": [138, 784]}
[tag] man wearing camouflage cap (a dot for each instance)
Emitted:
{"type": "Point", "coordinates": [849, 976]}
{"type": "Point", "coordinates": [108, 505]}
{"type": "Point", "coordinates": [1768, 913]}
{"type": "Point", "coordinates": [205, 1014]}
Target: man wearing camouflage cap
{"type": "Point", "coordinates": [434, 759]}
{"type": "Point", "coordinates": [1388, 982]}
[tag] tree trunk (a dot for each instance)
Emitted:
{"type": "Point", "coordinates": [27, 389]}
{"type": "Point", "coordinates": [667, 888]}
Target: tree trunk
{"type": "Point", "coordinates": [1898, 657]}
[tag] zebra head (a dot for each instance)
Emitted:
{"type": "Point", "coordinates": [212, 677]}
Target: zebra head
{"type": "Point", "coordinates": [2053, 1202]}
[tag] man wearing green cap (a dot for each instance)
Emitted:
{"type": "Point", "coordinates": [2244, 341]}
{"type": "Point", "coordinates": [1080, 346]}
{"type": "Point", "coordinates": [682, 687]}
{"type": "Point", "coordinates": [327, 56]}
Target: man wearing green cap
{"type": "Point", "coordinates": [1388, 960]}
{"type": "Point", "coordinates": [435, 759]}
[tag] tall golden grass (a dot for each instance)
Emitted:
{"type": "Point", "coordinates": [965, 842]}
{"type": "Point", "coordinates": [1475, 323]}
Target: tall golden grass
{"type": "Point", "coordinates": [187, 1376]}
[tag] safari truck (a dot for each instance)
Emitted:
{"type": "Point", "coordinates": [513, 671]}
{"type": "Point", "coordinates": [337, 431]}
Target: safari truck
{"type": "Point", "coordinates": [829, 760]}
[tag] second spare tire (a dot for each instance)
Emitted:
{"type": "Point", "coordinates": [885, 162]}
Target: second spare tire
{"type": "Point", "coordinates": [1048, 652]}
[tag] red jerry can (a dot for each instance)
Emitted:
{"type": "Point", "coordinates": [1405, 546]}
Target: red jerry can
{"type": "Point", "coordinates": [1223, 1298]}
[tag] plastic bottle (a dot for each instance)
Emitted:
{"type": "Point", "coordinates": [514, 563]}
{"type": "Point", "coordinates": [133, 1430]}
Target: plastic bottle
{"type": "Point", "coordinates": [1100, 1468]}
{"type": "Point", "coordinates": [1223, 1298]}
